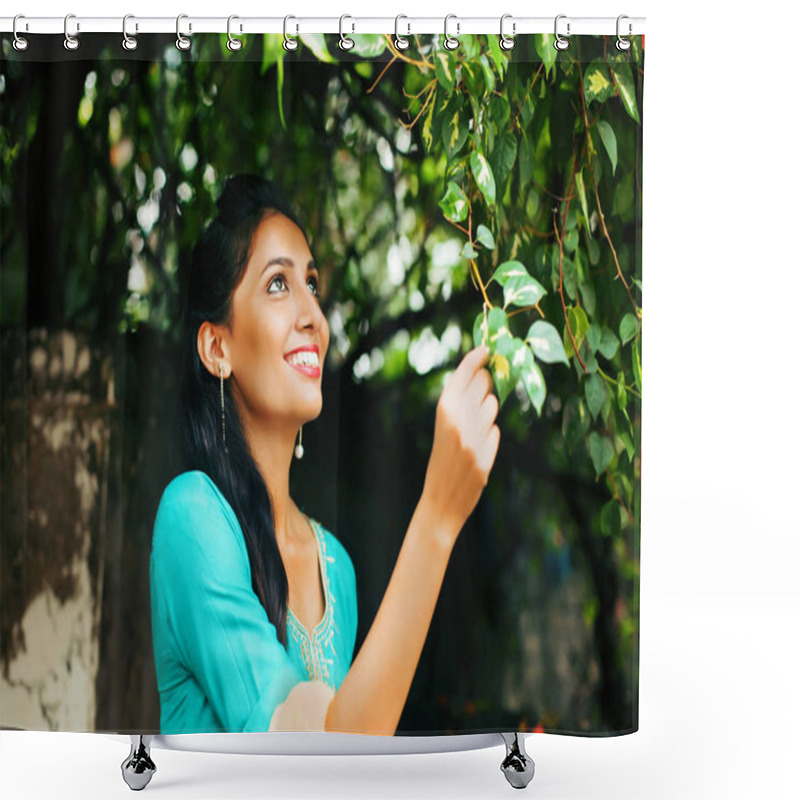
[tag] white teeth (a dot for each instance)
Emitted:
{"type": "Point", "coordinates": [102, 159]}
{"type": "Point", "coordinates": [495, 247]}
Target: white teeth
{"type": "Point", "coordinates": [305, 359]}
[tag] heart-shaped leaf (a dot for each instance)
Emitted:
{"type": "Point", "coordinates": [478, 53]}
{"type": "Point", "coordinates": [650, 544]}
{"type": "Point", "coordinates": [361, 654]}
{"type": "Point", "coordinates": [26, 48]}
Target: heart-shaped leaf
{"type": "Point", "coordinates": [545, 341]}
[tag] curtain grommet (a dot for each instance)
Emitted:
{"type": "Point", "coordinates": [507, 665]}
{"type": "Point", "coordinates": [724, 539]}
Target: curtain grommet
{"type": "Point", "coordinates": [289, 43]}
{"type": "Point", "coordinates": [234, 44]}
{"type": "Point", "coordinates": [182, 42]}
{"type": "Point", "coordinates": [20, 42]}
{"type": "Point", "coordinates": [400, 42]}
{"type": "Point", "coordinates": [506, 42]}
{"type": "Point", "coordinates": [71, 42]}
{"type": "Point", "coordinates": [623, 44]}
{"type": "Point", "coordinates": [450, 42]}
{"type": "Point", "coordinates": [345, 42]}
{"type": "Point", "coordinates": [561, 43]}
{"type": "Point", "coordinates": [129, 42]}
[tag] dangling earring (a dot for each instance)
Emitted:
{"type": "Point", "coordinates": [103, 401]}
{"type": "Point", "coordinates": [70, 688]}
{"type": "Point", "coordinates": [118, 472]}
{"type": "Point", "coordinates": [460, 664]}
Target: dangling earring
{"type": "Point", "coordinates": [298, 451]}
{"type": "Point", "coordinates": [222, 403]}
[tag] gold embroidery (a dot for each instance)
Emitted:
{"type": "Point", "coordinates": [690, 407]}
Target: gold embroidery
{"type": "Point", "coordinates": [313, 648]}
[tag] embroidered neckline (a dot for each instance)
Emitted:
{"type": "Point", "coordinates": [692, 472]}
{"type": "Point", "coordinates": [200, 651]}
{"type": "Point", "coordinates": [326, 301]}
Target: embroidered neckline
{"type": "Point", "coordinates": [312, 647]}
{"type": "Point", "coordinates": [323, 569]}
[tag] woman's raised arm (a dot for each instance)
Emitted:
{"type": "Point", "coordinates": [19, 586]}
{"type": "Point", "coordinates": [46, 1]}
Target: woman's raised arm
{"type": "Point", "coordinates": [371, 698]}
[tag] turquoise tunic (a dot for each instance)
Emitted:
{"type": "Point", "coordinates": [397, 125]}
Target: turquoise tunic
{"type": "Point", "coordinates": [219, 664]}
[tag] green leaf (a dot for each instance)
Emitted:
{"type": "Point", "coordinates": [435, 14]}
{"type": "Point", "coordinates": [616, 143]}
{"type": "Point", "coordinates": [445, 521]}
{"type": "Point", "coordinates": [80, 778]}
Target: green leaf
{"type": "Point", "coordinates": [579, 325]}
{"type": "Point", "coordinates": [488, 75]}
{"type": "Point", "coordinates": [627, 91]}
{"type": "Point", "coordinates": [637, 366]}
{"type": "Point", "coordinates": [546, 343]}
{"type": "Point", "coordinates": [610, 523]}
{"type": "Point", "coordinates": [519, 288]}
{"type": "Point", "coordinates": [589, 297]}
{"type": "Point", "coordinates": [533, 381]}
{"type": "Point", "coordinates": [602, 338]}
{"type": "Point", "coordinates": [628, 444]}
{"type": "Point", "coordinates": [498, 326]}
{"type": "Point", "coordinates": [609, 139]}
{"type": "Point", "coordinates": [274, 54]}
{"type": "Point", "coordinates": [454, 204]}
{"type": "Point", "coordinates": [470, 46]}
{"type": "Point", "coordinates": [582, 198]}
{"type": "Point", "coordinates": [445, 70]}
{"type": "Point", "coordinates": [368, 45]}
{"type": "Point", "coordinates": [504, 156]}
{"type": "Point", "coordinates": [525, 161]}
{"type": "Point", "coordinates": [628, 328]}
{"type": "Point", "coordinates": [545, 48]}
{"type": "Point", "coordinates": [499, 111]}
{"type": "Point", "coordinates": [597, 84]}
{"type": "Point", "coordinates": [574, 421]}
{"type": "Point", "coordinates": [468, 251]}
{"type": "Point", "coordinates": [484, 236]}
{"type": "Point", "coordinates": [480, 330]}
{"type": "Point", "coordinates": [601, 451]}
{"type": "Point", "coordinates": [595, 394]}
{"type": "Point", "coordinates": [528, 109]}
{"type": "Point", "coordinates": [507, 364]}
{"type": "Point", "coordinates": [470, 74]}
{"type": "Point", "coordinates": [482, 173]}
{"type": "Point", "coordinates": [509, 270]}
{"type": "Point", "coordinates": [316, 43]}
{"type": "Point", "coordinates": [622, 394]}
{"type": "Point", "coordinates": [498, 56]}
{"type": "Point", "coordinates": [594, 252]}
{"type": "Point", "coordinates": [427, 132]}
{"type": "Point", "coordinates": [570, 243]}
{"type": "Point", "coordinates": [454, 132]}
{"type": "Point", "coordinates": [272, 51]}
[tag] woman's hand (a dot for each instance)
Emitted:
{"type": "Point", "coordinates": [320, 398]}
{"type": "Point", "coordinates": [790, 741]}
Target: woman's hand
{"type": "Point", "coordinates": [465, 443]}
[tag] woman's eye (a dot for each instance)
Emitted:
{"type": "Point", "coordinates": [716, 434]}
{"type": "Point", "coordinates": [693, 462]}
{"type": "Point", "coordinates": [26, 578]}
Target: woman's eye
{"type": "Point", "coordinates": [283, 281]}
{"type": "Point", "coordinates": [274, 280]}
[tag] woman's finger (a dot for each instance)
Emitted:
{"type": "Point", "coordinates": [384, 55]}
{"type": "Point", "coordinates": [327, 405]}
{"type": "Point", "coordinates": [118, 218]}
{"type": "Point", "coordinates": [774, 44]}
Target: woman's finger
{"type": "Point", "coordinates": [469, 365]}
{"type": "Point", "coordinates": [488, 411]}
{"type": "Point", "coordinates": [490, 451]}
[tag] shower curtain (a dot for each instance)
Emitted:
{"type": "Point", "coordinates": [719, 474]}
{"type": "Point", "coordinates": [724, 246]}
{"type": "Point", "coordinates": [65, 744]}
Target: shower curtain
{"type": "Point", "coordinates": [452, 198]}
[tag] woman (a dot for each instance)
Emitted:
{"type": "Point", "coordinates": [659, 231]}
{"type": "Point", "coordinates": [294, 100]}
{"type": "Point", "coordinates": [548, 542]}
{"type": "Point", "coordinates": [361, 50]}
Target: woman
{"type": "Point", "coordinates": [254, 603]}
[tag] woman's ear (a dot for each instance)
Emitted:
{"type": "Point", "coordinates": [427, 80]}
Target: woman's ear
{"type": "Point", "coordinates": [212, 349]}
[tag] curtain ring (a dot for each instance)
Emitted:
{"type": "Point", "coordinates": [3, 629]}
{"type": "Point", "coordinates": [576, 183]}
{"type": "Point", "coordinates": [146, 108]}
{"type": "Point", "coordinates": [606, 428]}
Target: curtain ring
{"type": "Point", "coordinates": [450, 42]}
{"type": "Point", "coordinates": [345, 42]}
{"type": "Point", "coordinates": [506, 43]}
{"type": "Point", "coordinates": [234, 44]}
{"type": "Point", "coordinates": [288, 42]}
{"type": "Point", "coordinates": [400, 42]}
{"type": "Point", "coordinates": [71, 42]}
{"type": "Point", "coordinates": [20, 42]}
{"type": "Point", "coordinates": [129, 42]}
{"type": "Point", "coordinates": [561, 43]}
{"type": "Point", "coordinates": [623, 44]}
{"type": "Point", "coordinates": [182, 42]}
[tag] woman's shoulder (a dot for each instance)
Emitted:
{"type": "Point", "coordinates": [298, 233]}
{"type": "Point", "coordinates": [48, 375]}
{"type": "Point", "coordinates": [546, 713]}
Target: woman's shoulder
{"type": "Point", "coordinates": [188, 488]}
{"type": "Point", "coordinates": [191, 505]}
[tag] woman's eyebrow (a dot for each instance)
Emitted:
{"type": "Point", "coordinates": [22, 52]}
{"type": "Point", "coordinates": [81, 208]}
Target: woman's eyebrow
{"type": "Point", "coordinates": [285, 261]}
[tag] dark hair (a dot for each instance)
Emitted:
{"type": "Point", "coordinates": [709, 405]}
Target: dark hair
{"type": "Point", "coordinates": [218, 263]}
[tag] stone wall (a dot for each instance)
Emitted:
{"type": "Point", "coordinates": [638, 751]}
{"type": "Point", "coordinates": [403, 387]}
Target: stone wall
{"type": "Point", "coordinates": [55, 423]}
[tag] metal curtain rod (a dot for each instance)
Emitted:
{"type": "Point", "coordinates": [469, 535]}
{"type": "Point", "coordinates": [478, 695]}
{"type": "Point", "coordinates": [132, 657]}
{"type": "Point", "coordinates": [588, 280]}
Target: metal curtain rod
{"type": "Point", "coordinates": [569, 26]}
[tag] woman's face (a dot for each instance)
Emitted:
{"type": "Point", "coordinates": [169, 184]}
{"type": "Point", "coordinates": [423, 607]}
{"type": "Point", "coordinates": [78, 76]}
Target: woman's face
{"type": "Point", "coordinates": [276, 310]}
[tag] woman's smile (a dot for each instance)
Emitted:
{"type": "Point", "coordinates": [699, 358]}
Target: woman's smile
{"type": "Point", "coordinates": [305, 360]}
